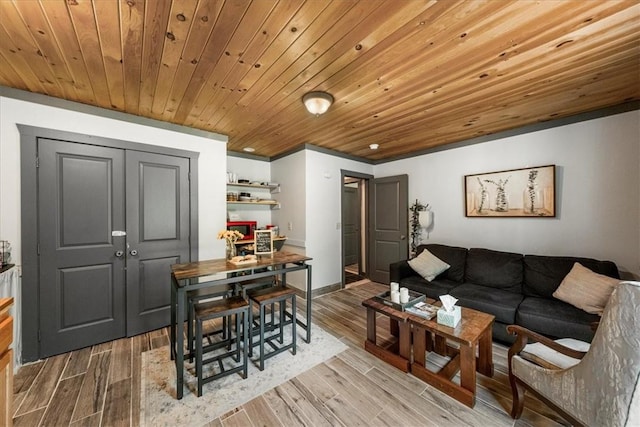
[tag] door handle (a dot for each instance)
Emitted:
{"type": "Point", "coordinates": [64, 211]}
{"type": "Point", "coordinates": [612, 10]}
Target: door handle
{"type": "Point", "coordinates": [119, 254]}
{"type": "Point", "coordinates": [402, 237]}
{"type": "Point", "coordinates": [133, 252]}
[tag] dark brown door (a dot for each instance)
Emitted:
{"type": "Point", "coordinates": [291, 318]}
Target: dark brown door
{"type": "Point", "coordinates": [106, 241]}
{"type": "Point", "coordinates": [157, 235]}
{"type": "Point", "coordinates": [82, 278]}
{"type": "Point", "coordinates": [388, 225]}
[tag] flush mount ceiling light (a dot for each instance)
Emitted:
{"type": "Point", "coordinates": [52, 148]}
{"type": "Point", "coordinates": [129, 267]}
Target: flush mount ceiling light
{"type": "Point", "coordinates": [249, 149]}
{"type": "Point", "coordinates": [317, 102]}
{"type": "Point", "coordinates": [374, 146]}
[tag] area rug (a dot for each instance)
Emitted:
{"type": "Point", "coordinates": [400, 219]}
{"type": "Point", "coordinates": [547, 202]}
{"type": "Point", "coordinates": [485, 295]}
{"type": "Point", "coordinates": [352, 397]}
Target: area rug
{"type": "Point", "coordinates": [159, 407]}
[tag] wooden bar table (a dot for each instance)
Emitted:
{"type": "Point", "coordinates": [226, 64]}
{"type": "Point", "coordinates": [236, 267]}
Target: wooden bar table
{"type": "Point", "coordinates": [211, 273]}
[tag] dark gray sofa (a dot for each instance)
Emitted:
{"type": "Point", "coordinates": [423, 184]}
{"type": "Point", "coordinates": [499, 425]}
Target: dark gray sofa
{"type": "Point", "coordinates": [516, 289]}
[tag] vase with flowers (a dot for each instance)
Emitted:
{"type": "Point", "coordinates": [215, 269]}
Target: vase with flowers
{"type": "Point", "coordinates": [230, 237]}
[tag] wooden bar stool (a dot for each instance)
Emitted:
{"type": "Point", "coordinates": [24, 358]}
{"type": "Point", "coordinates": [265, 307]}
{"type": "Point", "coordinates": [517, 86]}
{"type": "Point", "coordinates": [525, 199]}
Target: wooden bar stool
{"type": "Point", "coordinates": [223, 308]}
{"type": "Point", "coordinates": [197, 296]}
{"type": "Point", "coordinates": [268, 296]}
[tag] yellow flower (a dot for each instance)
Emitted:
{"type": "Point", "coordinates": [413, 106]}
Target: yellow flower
{"type": "Point", "coordinates": [230, 235]}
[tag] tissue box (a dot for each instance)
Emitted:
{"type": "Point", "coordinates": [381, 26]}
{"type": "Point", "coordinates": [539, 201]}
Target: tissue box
{"type": "Point", "coordinates": [450, 318]}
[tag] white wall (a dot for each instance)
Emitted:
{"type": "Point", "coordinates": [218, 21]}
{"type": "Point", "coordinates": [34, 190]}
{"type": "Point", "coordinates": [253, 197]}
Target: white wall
{"type": "Point", "coordinates": [597, 184]}
{"type": "Point", "coordinates": [253, 170]}
{"type": "Point", "coordinates": [289, 172]}
{"type": "Point", "coordinates": [212, 163]}
{"type": "Point", "coordinates": [323, 207]}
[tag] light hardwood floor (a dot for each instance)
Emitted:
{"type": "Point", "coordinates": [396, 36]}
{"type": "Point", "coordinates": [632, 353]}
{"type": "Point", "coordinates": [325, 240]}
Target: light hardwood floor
{"type": "Point", "coordinates": [100, 386]}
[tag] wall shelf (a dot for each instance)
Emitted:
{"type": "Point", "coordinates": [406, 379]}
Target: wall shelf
{"type": "Point", "coordinates": [273, 188]}
{"type": "Point", "coordinates": [272, 203]}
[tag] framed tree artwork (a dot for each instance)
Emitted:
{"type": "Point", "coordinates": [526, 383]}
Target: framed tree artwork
{"type": "Point", "coordinates": [526, 192]}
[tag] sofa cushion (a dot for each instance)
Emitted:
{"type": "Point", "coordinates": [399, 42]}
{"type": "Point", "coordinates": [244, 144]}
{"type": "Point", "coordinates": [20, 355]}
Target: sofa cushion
{"type": "Point", "coordinates": [555, 318]}
{"type": "Point", "coordinates": [543, 274]}
{"type": "Point", "coordinates": [494, 269]}
{"type": "Point", "coordinates": [548, 358]}
{"type": "Point", "coordinates": [585, 289]}
{"type": "Point", "coordinates": [431, 289]}
{"type": "Point", "coordinates": [502, 304]}
{"type": "Point", "coordinates": [428, 265]}
{"type": "Point", "coordinates": [454, 256]}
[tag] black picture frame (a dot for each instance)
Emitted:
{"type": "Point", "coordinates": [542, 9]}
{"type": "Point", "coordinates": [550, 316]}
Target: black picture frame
{"type": "Point", "coordinates": [263, 242]}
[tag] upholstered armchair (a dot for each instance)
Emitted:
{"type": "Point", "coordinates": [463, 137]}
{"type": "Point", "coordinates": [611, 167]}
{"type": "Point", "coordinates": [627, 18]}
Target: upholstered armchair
{"type": "Point", "coordinates": [602, 387]}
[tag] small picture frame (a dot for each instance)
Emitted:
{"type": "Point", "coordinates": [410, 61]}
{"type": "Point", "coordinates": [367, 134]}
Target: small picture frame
{"type": "Point", "coordinates": [263, 242]}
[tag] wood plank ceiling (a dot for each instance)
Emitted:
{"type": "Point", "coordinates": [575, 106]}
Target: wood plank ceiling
{"type": "Point", "coordinates": [406, 74]}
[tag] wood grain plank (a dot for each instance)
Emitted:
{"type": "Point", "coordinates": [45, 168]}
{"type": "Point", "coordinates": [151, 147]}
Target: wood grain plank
{"type": "Point", "coordinates": [117, 410]}
{"type": "Point", "coordinates": [109, 38]}
{"type": "Point", "coordinates": [258, 409]}
{"type": "Point", "coordinates": [205, 17]}
{"type": "Point", "coordinates": [25, 47]}
{"type": "Point", "coordinates": [105, 346]}
{"type": "Point", "coordinates": [131, 19]}
{"type": "Point", "coordinates": [63, 401]}
{"type": "Point", "coordinates": [284, 408]}
{"type": "Point", "coordinates": [44, 38]}
{"type": "Point", "coordinates": [29, 419]}
{"type": "Point", "coordinates": [321, 389]}
{"type": "Point", "coordinates": [346, 413]}
{"type": "Point", "coordinates": [120, 368]}
{"type": "Point", "coordinates": [368, 407]}
{"type": "Point", "coordinates": [181, 18]}
{"type": "Point", "coordinates": [90, 421]}
{"type": "Point", "coordinates": [139, 344]}
{"type": "Point", "coordinates": [9, 76]}
{"type": "Point", "coordinates": [78, 363]}
{"type": "Point", "coordinates": [28, 373]}
{"type": "Point", "coordinates": [156, 19]}
{"type": "Point", "coordinates": [253, 18]}
{"type": "Point", "coordinates": [230, 15]}
{"type": "Point", "coordinates": [19, 62]}
{"type": "Point", "coordinates": [84, 23]}
{"type": "Point", "coordinates": [239, 419]}
{"type": "Point", "coordinates": [309, 404]}
{"type": "Point", "coordinates": [44, 384]}
{"type": "Point", "coordinates": [272, 31]}
{"type": "Point", "coordinates": [65, 35]}
{"type": "Point", "coordinates": [94, 386]}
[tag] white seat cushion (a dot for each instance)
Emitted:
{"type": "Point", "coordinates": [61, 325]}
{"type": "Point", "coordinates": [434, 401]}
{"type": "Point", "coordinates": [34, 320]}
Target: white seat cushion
{"type": "Point", "coordinates": [548, 358]}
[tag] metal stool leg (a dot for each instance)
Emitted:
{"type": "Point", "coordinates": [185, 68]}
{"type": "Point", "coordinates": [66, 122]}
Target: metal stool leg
{"type": "Point", "coordinates": [282, 306]}
{"type": "Point", "coordinates": [262, 319]}
{"type": "Point", "coordinates": [293, 323]}
{"type": "Point", "coordinates": [199, 356]}
{"type": "Point", "coordinates": [245, 332]}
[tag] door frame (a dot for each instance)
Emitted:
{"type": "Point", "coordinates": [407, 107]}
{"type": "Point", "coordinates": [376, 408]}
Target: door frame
{"type": "Point", "coordinates": [29, 136]}
{"type": "Point", "coordinates": [366, 178]}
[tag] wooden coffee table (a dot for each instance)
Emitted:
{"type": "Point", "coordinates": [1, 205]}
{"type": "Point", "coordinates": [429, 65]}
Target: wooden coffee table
{"type": "Point", "coordinates": [472, 333]}
{"type": "Point", "coordinates": [398, 353]}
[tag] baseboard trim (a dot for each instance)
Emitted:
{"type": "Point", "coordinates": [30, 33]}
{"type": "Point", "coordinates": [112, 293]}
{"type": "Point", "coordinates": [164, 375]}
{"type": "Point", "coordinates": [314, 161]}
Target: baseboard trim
{"type": "Point", "coordinates": [317, 292]}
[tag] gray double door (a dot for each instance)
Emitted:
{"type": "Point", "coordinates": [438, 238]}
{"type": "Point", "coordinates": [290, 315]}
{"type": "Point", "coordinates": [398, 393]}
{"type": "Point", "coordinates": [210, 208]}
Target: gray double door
{"type": "Point", "coordinates": [111, 222]}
